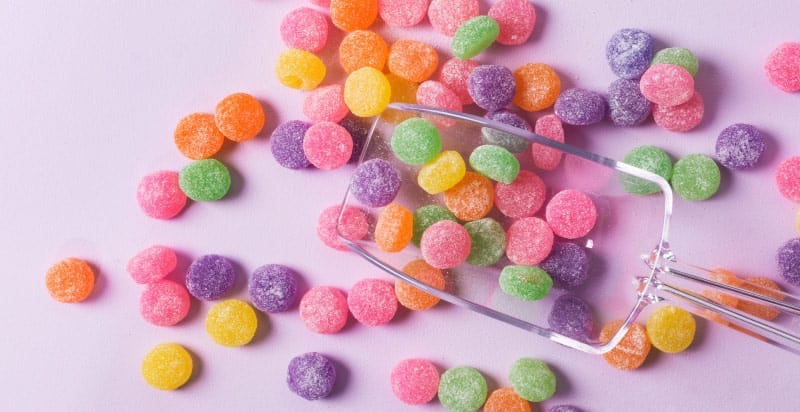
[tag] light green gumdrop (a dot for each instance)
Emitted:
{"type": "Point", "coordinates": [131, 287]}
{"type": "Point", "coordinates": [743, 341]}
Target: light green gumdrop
{"type": "Point", "coordinates": [653, 160]}
{"type": "Point", "coordinates": [532, 379]}
{"type": "Point", "coordinates": [488, 241]}
{"type": "Point", "coordinates": [462, 389]}
{"type": "Point", "coordinates": [416, 141]}
{"type": "Point", "coordinates": [495, 162]}
{"type": "Point", "coordinates": [525, 282]}
{"type": "Point", "coordinates": [474, 36]}
{"type": "Point", "coordinates": [695, 177]}
{"type": "Point", "coordinates": [679, 57]}
{"type": "Point", "coordinates": [205, 180]}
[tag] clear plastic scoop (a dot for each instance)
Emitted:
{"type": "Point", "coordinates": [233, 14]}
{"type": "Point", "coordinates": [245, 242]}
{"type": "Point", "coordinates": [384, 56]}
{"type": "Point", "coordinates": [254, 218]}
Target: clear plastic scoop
{"type": "Point", "coordinates": [632, 262]}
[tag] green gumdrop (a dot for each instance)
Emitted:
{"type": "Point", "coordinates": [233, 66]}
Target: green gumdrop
{"type": "Point", "coordinates": [495, 162]}
{"type": "Point", "coordinates": [416, 141]}
{"type": "Point", "coordinates": [532, 379]}
{"type": "Point", "coordinates": [525, 282]}
{"type": "Point", "coordinates": [679, 57]}
{"type": "Point", "coordinates": [653, 160]}
{"type": "Point", "coordinates": [462, 389]}
{"type": "Point", "coordinates": [205, 180]}
{"type": "Point", "coordinates": [488, 241]}
{"type": "Point", "coordinates": [511, 142]}
{"type": "Point", "coordinates": [474, 36]}
{"type": "Point", "coordinates": [427, 215]}
{"type": "Point", "coordinates": [695, 177]}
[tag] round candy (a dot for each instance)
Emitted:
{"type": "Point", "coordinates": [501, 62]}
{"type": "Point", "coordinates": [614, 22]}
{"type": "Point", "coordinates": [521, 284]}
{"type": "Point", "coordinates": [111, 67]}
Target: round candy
{"type": "Point", "coordinates": [416, 141]}
{"type": "Point", "coordinates": [367, 92]}
{"type": "Point", "coordinates": [415, 381]}
{"type": "Point", "coordinates": [70, 280]}
{"type": "Point", "coordinates": [358, 131]}
{"type": "Point", "coordinates": [375, 183]}
{"type": "Point", "coordinates": [740, 146]}
{"type": "Point", "coordinates": [435, 94]}
{"type": "Point", "coordinates": [394, 228]}
{"type": "Point", "coordinates": [231, 323]}
{"type": "Point", "coordinates": [205, 180]}
{"type": "Point", "coordinates": [567, 265]}
{"type": "Point", "coordinates": [580, 107]}
{"type": "Point", "coordinates": [445, 244]}
{"type": "Point", "coordinates": [372, 301]}
{"type": "Point", "coordinates": [164, 303]}
{"type": "Point", "coordinates": [571, 214]}
{"type": "Point", "coordinates": [325, 104]}
{"type": "Point", "coordinates": [538, 86]}
{"type": "Point", "coordinates": [350, 15]}
{"type": "Point", "coordinates": [299, 69]}
{"type": "Point", "coordinates": [210, 277]}
{"type": "Point", "coordinates": [160, 196]}
{"type": "Point", "coordinates": [427, 215]}
{"type": "Point", "coordinates": [789, 261]}
{"type": "Point", "coordinates": [462, 389]}
{"type": "Point", "coordinates": [506, 400]}
{"type": "Point", "coordinates": [197, 136]}
{"type": "Point", "coordinates": [763, 286]}
{"type": "Point", "coordinates": [402, 13]}
{"type": "Point", "coordinates": [492, 86]}
{"type": "Point", "coordinates": [305, 29]}
{"type": "Point", "coordinates": [678, 56]}
{"type": "Point", "coordinates": [495, 162]}
{"type": "Point", "coordinates": [472, 198]}
{"type": "Point", "coordinates": [530, 240]}
{"type": "Point", "coordinates": [412, 297]}
{"type": "Point", "coordinates": [363, 48]}
{"type": "Point", "coordinates": [653, 160]}
{"type": "Point", "coordinates": [152, 264]}
{"type": "Point", "coordinates": [412, 60]}
{"type": "Point", "coordinates": [474, 36]}
{"type": "Point", "coordinates": [273, 288]}
{"type": "Point", "coordinates": [547, 158]}
{"type": "Point", "coordinates": [629, 52]}
{"type": "Point", "coordinates": [783, 67]}
{"type": "Point", "coordinates": [516, 19]}
{"type": "Point", "coordinates": [627, 106]}
{"type": "Point", "coordinates": [695, 177]}
{"type": "Point", "coordinates": [447, 15]}
{"type": "Point", "coordinates": [787, 176]}
{"type": "Point", "coordinates": [311, 376]}
{"type": "Point", "coordinates": [571, 316]}
{"type": "Point", "coordinates": [353, 226]}
{"type": "Point", "coordinates": [525, 282]}
{"type": "Point", "coordinates": [532, 379]}
{"type": "Point", "coordinates": [488, 241]}
{"type": "Point", "coordinates": [667, 85]}
{"type": "Point", "coordinates": [287, 144]}
{"type": "Point", "coordinates": [239, 117]}
{"type": "Point", "coordinates": [513, 143]}
{"type": "Point", "coordinates": [631, 351]}
{"type": "Point", "coordinates": [671, 329]}
{"type": "Point", "coordinates": [442, 173]}
{"type": "Point", "coordinates": [521, 198]}
{"type": "Point", "coordinates": [167, 366]}
{"type": "Point", "coordinates": [680, 118]}
{"type": "Point", "coordinates": [327, 145]}
{"type": "Point", "coordinates": [324, 310]}
{"type": "Point", "coordinates": [455, 74]}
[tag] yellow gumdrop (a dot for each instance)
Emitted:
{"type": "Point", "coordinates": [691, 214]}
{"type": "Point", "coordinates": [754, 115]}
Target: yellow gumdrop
{"type": "Point", "coordinates": [367, 92]}
{"type": "Point", "coordinates": [442, 173]}
{"type": "Point", "coordinates": [671, 329]}
{"type": "Point", "coordinates": [231, 323]}
{"type": "Point", "coordinates": [167, 366]}
{"type": "Point", "coordinates": [403, 91]}
{"type": "Point", "coordinates": [300, 69]}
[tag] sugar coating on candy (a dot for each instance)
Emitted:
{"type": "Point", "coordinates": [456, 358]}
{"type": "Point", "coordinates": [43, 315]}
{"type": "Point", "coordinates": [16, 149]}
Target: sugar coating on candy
{"type": "Point", "coordinates": [455, 74]}
{"type": "Point", "coordinates": [152, 264]}
{"type": "Point", "coordinates": [631, 352]}
{"type": "Point", "coordinates": [762, 286]}
{"type": "Point", "coordinates": [403, 91]}
{"type": "Point", "coordinates": [394, 228]}
{"type": "Point", "coordinates": [412, 297]}
{"type": "Point", "coordinates": [629, 52]}
{"type": "Point", "coordinates": [521, 198]}
{"type": "Point", "coordinates": [286, 144]}
{"type": "Point", "coordinates": [571, 316]}
{"type": "Point", "coordinates": [532, 379]}
{"type": "Point", "coordinates": [415, 381]}
{"type": "Point", "coordinates": [516, 19]}
{"type": "Point", "coordinates": [506, 400]}
{"type": "Point", "coordinates": [571, 214]}
{"type": "Point", "coordinates": [402, 13]}
{"type": "Point", "coordinates": [580, 107]}
{"type": "Point", "coordinates": [325, 104]}
{"type": "Point", "coordinates": [627, 106]}
{"type": "Point", "coordinates": [472, 198]}
{"type": "Point", "coordinates": [210, 277]}
{"type": "Point", "coordinates": [327, 145]}
{"type": "Point", "coordinates": [231, 323]}
{"type": "Point", "coordinates": [375, 183]}
{"type": "Point", "coordinates": [350, 15]}
{"type": "Point", "coordinates": [567, 265]}
{"type": "Point", "coordinates": [783, 67]}
{"type": "Point", "coordinates": [167, 366]}
{"type": "Point", "coordinates": [436, 94]}
{"type": "Point", "coordinates": [652, 159]}
{"type": "Point", "coordinates": [495, 162]}
{"type": "Point", "coordinates": [445, 244]}
{"type": "Point", "coordinates": [739, 146]}
{"type": "Point", "coordinates": [427, 215]}
{"type": "Point", "coordinates": [462, 389]}
{"type": "Point", "coordinates": [525, 282]}
{"type": "Point", "coordinates": [323, 309]}
{"type": "Point", "coordinates": [447, 15]}
{"type": "Point", "coordinates": [513, 143]}
{"type": "Point", "coordinates": [492, 86]}
{"type": "Point", "coordinates": [159, 195]}
{"type": "Point", "coordinates": [416, 141]}
{"type": "Point", "coordinates": [305, 29]}
{"type": "Point", "coordinates": [680, 118]}
{"type": "Point", "coordinates": [239, 117]}
{"type": "Point", "coordinates": [789, 261]}
{"type": "Point", "coordinates": [488, 241]}
{"type": "Point", "coordinates": [787, 177]}
{"type": "Point", "coordinates": [474, 36]}
{"type": "Point", "coordinates": [678, 56]}
{"type": "Point", "coordinates": [70, 280]}
{"type": "Point", "coordinates": [353, 225]}
{"type": "Point", "coordinates": [530, 240]}
{"type": "Point", "coordinates": [538, 86]}
{"type": "Point", "coordinates": [164, 303]}
{"type": "Point", "coordinates": [299, 69]}
{"type": "Point", "coordinates": [412, 60]}
{"type": "Point", "coordinates": [442, 173]}
{"type": "Point", "coordinates": [547, 158]}
{"type": "Point", "coordinates": [205, 180]}
{"type": "Point", "coordinates": [372, 301]}
{"type": "Point", "coordinates": [273, 288]}
{"type": "Point", "coordinates": [367, 92]}
{"type": "Point", "coordinates": [363, 48]}
{"type": "Point", "coordinates": [695, 177]}
{"type": "Point", "coordinates": [358, 132]}
{"type": "Point", "coordinates": [671, 329]}
{"type": "Point", "coordinates": [667, 84]}
{"type": "Point", "coordinates": [311, 376]}
{"type": "Point", "coordinates": [197, 136]}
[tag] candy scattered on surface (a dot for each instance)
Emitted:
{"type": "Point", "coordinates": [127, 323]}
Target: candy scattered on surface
{"type": "Point", "coordinates": [571, 214]}
{"type": "Point", "coordinates": [152, 264]}
{"type": "Point", "coordinates": [447, 15]}
{"type": "Point", "coordinates": [567, 265]}
{"type": "Point", "coordinates": [159, 195]}
{"type": "Point", "coordinates": [299, 69]}
{"type": "Point", "coordinates": [538, 86]}
{"type": "Point", "coordinates": [787, 177]}
{"type": "Point", "coordinates": [167, 366]}
{"type": "Point", "coordinates": [402, 13]}
{"type": "Point", "coordinates": [210, 277]}
{"type": "Point", "coordinates": [455, 74]}
{"type": "Point", "coordinates": [324, 310]}
{"type": "Point", "coordinates": [325, 104]}
{"type": "Point", "coordinates": [472, 198]}
{"type": "Point", "coordinates": [231, 323]}
{"type": "Point", "coordinates": [513, 143]}
{"type": "Point", "coordinates": [372, 301]}
{"type": "Point", "coordinates": [353, 226]}
{"type": "Point", "coordinates": [627, 106]}
{"type": "Point", "coordinates": [740, 146]}
{"type": "Point", "coordinates": [70, 280]}
{"type": "Point", "coordinates": [286, 144]}
{"type": "Point", "coordinates": [375, 183]}
{"type": "Point", "coordinates": [529, 241]}
{"type": "Point", "coordinates": [311, 376]}
{"type": "Point", "coordinates": [416, 141]}
{"type": "Point", "coordinates": [547, 158]}
{"type": "Point", "coordinates": [197, 136]}
{"type": "Point", "coordinates": [521, 198]}
{"type": "Point", "coordinates": [305, 29]}
{"type": "Point", "coordinates": [474, 36]}
{"type": "Point", "coordinates": [488, 241]}
{"type": "Point", "coordinates": [427, 215]}
{"type": "Point", "coordinates": [571, 316]}
{"type": "Point", "coordinates": [273, 288]}
{"type": "Point", "coordinates": [789, 261]}
{"type": "Point", "coordinates": [495, 162]}
{"type": "Point", "coordinates": [363, 48]}
{"type": "Point", "coordinates": [667, 85]}
{"type": "Point", "coordinates": [436, 94]}
{"type": "Point", "coordinates": [783, 67]}
{"type": "Point", "coordinates": [327, 145]}
{"type": "Point", "coordinates": [580, 107]}
{"type": "Point", "coordinates": [412, 60]}
{"type": "Point", "coordinates": [629, 52]}
{"type": "Point", "coordinates": [415, 381]}
{"type": "Point", "coordinates": [445, 244]}
{"type": "Point", "coordinates": [680, 118]}
{"type": "Point", "coordinates": [525, 282]}
{"type": "Point", "coordinates": [462, 389]}
{"type": "Point", "coordinates": [670, 329]}
{"type": "Point", "coordinates": [678, 56]}
{"type": "Point", "coordinates": [412, 297]}
{"type": "Point", "coordinates": [367, 92]}
{"type": "Point", "coordinates": [394, 228]}
{"type": "Point", "coordinates": [631, 352]}
{"type": "Point", "coordinates": [695, 177]}
{"type": "Point", "coordinates": [532, 379]}
{"type": "Point", "coordinates": [205, 180]}
{"type": "Point", "coordinates": [164, 303]}
{"type": "Point", "coordinates": [649, 158]}
{"type": "Point", "coordinates": [491, 86]}
{"type": "Point", "coordinates": [442, 173]}
{"type": "Point", "coordinates": [350, 15]}
{"type": "Point", "coordinates": [506, 400]}
{"type": "Point", "coordinates": [239, 117]}
{"type": "Point", "coordinates": [516, 19]}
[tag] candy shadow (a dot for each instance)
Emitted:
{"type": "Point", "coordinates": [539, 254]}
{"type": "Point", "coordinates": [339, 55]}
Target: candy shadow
{"type": "Point", "coordinates": [179, 276]}
{"type": "Point", "coordinates": [271, 120]}
{"type": "Point", "coordinates": [710, 84]}
{"type": "Point", "coordinates": [542, 17]}
{"type": "Point", "coordinates": [100, 283]}
{"type": "Point", "coordinates": [342, 378]}
{"type": "Point", "coordinates": [771, 150]}
{"type": "Point", "coordinates": [237, 182]}
{"type": "Point", "coordinates": [726, 183]}
{"type": "Point", "coordinates": [197, 369]}
{"type": "Point", "coordinates": [264, 328]}
{"type": "Point", "coordinates": [491, 382]}
{"type": "Point", "coordinates": [241, 280]}
{"type": "Point", "coordinates": [564, 384]}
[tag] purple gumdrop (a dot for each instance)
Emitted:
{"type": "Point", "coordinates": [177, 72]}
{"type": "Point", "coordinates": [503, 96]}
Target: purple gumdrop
{"type": "Point", "coordinates": [273, 288]}
{"type": "Point", "coordinates": [210, 276]}
{"type": "Point", "coordinates": [789, 261]}
{"type": "Point", "coordinates": [567, 265]}
{"type": "Point", "coordinates": [358, 131]}
{"type": "Point", "coordinates": [492, 86]}
{"type": "Point", "coordinates": [287, 144]}
{"type": "Point", "coordinates": [311, 376]}
{"type": "Point", "coordinates": [740, 146]}
{"type": "Point", "coordinates": [513, 143]}
{"type": "Point", "coordinates": [580, 107]}
{"type": "Point", "coordinates": [627, 106]}
{"type": "Point", "coordinates": [375, 183]}
{"type": "Point", "coordinates": [629, 52]}
{"type": "Point", "coordinates": [571, 317]}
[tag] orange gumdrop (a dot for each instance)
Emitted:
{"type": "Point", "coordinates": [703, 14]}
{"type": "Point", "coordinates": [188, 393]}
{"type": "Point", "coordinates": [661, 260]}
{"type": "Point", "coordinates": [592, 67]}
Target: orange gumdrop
{"type": "Point", "coordinates": [239, 117]}
{"type": "Point", "coordinates": [412, 60]}
{"type": "Point", "coordinates": [763, 286]}
{"type": "Point", "coordinates": [197, 136]}
{"type": "Point", "coordinates": [363, 48]}
{"type": "Point", "coordinates": [412, 297]}
{"type": "Point", "coordinates": [506, 400]}
{"type": "Point", "coordinates": [727, 277]}
{"type": "Point", "coordinates": [631, 351]}
{"type": "Point", "coordinates": [350, 15]}
{"type": "Point", "coordinates": [70, 280]}
{"type": "Point", "coordinates": [538, 86]}
{"type": "Point", "coordinates": [472, 198]}
{"type": "Point", "coordinates": [394, 228]}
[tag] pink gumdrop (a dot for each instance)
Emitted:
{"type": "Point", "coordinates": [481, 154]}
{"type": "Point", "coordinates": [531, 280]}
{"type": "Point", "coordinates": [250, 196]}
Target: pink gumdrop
{"type": "Point", "coordinates": [160, 196]}
{"type": "Point", "coordinates": [305, 29]}
{"type": "Point", "coordinates": [436, 94]}
{"type": "Point", "coordinates": [353, 226]}
{"type": "Point", "coordinates": [680, 118]}
{"type": "Point", "coordinates": [152, 264]}
{"type": "Point", "coordinates": [571, 214]}
{"type": "Point", "coordinates": [667, 84]}
{"type": "Point", "coordinates": [547, 158]}
{"type": "Point", "coordinates": [529, 241]}
{"type": "Point", "coordinates": [165, 303]}
{"type": "Point", "coordinates": [327, 145]}
{"type": "Point", "coordinates": [455, 74]}
{"type": "Point", "coordinates": [521, 198]}
{"type": "Point", "coordinates": [415, 381]}
{"type": "Point", "coordinates": [323, 309]}
{"type": "Point", "coordinates": [372, 301]}
{"type": "Point", "coordinates": [516, 19]}
{"type": "Point", "coordinates": [783, 67]}
{"type": "Point", "coordinates": [445, 244]}
{"type": "Point", "coordinates": [402, 13]}
{"type": "Point", "coordinates": [447, 15]}
{"type": "Point", "coordinates": [322, 3]}
{"type": "Point", "coordinates": [787, 176]}
{"type": "Point", "coordinates": [326, 104]}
